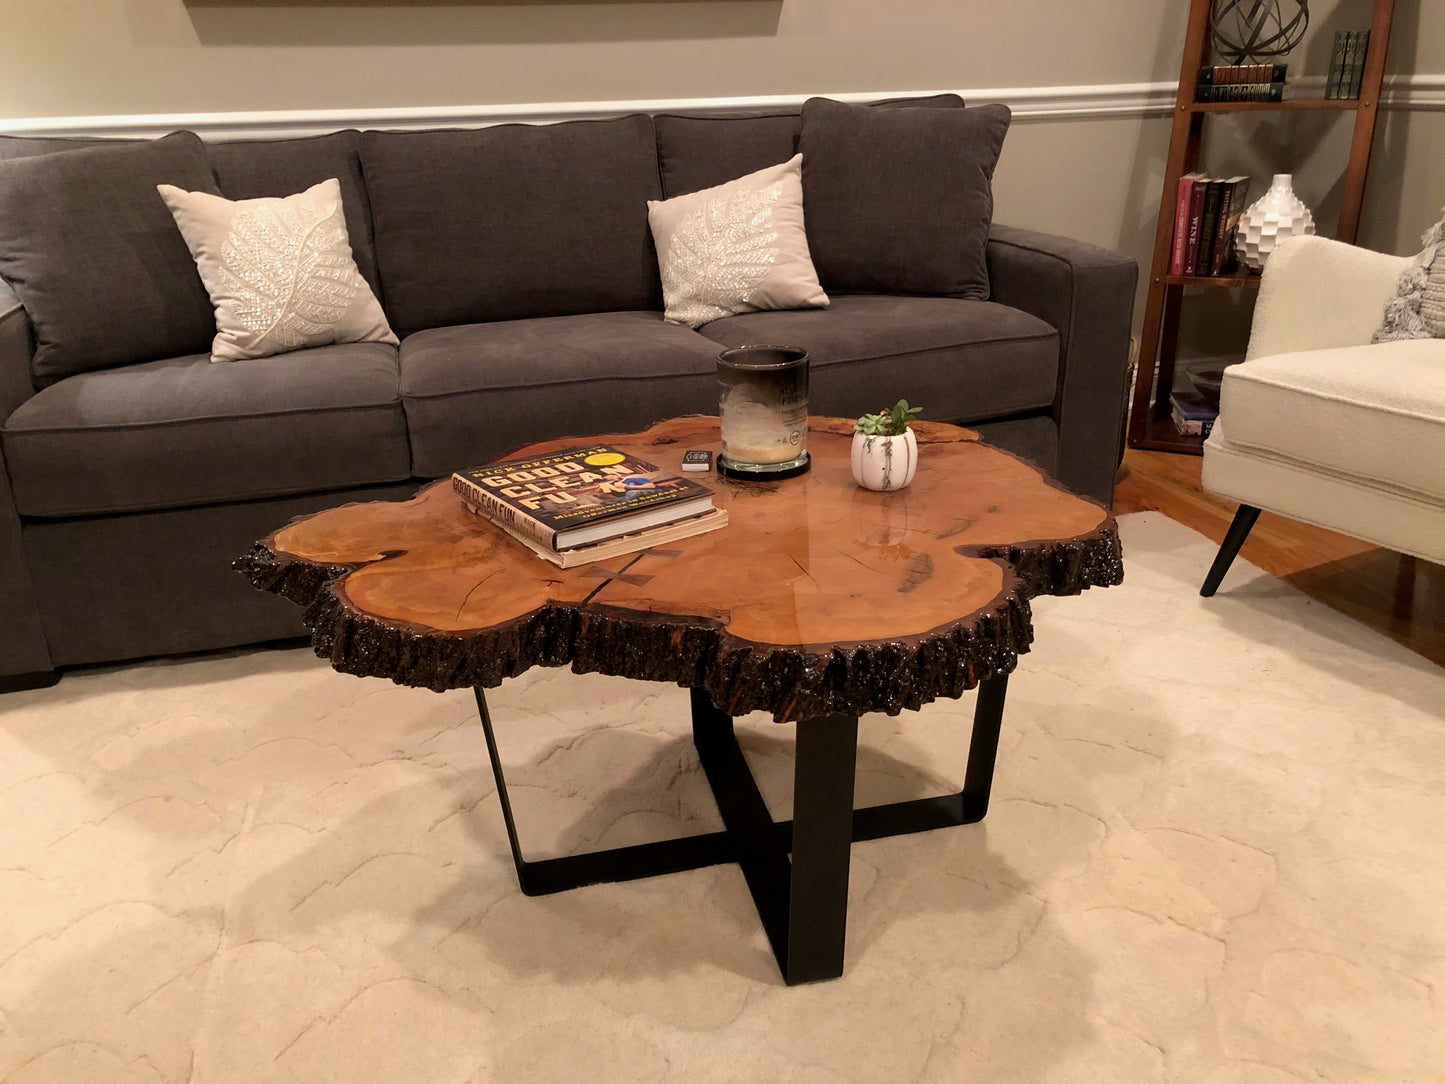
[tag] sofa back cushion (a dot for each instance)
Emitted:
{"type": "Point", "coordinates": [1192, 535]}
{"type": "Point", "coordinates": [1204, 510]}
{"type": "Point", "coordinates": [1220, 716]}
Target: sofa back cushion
{"type": "Point", "coordinates": [899, 201]}
{"type": "Point", "coordinates": [701, 150]}
{"type": "Point", "coordinates": [256, 168]}
{"type": "Point", "coordinates": [31, 146]}
{"type": "Point", "coordinates": [513, 221]}
{"type": "Point", "coordinates": [96, 258]}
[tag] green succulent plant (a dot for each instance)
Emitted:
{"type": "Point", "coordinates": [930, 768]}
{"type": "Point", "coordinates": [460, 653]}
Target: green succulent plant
{"type": "Point", "coordinates": [888, 423]}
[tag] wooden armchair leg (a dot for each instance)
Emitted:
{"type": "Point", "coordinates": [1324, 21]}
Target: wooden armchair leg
{"type": "Point", "coordinates": [1238, 531]}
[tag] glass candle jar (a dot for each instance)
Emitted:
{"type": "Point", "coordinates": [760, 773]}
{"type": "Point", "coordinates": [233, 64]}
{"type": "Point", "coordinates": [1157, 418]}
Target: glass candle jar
{"type": "Point", "coordinates": [763, 404]}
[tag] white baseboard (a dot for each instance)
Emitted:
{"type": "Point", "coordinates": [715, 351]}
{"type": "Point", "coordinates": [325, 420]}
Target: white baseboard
{"type": "Point", "coordinates": [1056, 103]}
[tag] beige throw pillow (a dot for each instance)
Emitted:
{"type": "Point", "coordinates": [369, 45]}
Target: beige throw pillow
{"type": "Point", "coordinates": [279, 271]}
{"type": "Point", "coordinates": [739, 247]}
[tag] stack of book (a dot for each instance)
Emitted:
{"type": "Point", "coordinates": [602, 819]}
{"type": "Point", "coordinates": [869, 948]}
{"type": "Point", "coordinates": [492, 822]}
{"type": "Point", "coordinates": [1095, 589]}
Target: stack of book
{"type": "Point", "coordinates": [1205, 213]}
{"type": "Point", "coordinates": [1240, 83]}
{"type": "Point", "coordinates": [1347, 64]}
{"type": "Point", "coordinates": [1193, 414]}
{"type": "Point", "coordinates": [588, 503]}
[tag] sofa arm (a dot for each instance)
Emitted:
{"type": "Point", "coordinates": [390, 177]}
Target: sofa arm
{"type": "Point", "coordinates": [16, 345]}
{"type": "Point", "coordinates": [1318, 294]}
{"type": "Point", "coordinates": [1087, 293]}
{"type": "Point", "coordinates": [24, 657]}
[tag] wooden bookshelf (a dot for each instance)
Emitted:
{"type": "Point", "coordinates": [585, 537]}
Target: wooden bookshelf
{"type": "Point", "coordinates": [1150, 425]}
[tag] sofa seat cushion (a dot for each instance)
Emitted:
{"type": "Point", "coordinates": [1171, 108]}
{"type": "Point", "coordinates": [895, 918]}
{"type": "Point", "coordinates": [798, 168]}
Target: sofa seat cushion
{"type": "Point", "coordinates": [985, 360]}
{"type": "Point", "coordinates": [166, 434]}
{"type": "Point", "coordinates": [478, 391]}
{"type": "Point", "coordinates": [1372, 413]}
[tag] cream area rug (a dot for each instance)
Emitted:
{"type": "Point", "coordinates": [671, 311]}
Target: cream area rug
{"type": "Point", "coordinates": [1213, 855]}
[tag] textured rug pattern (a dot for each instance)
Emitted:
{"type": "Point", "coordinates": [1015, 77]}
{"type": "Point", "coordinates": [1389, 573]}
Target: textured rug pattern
{"type": "Point", "coordinates": [1213, 855]}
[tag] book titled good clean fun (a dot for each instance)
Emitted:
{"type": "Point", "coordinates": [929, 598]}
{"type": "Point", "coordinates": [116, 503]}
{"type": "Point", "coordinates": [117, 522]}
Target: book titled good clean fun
{"type": "Point", "coordinates": [583, 496]}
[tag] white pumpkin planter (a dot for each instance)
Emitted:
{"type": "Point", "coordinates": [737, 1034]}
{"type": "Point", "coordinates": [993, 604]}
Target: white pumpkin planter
{"type": "Point", "coordinates": [884, 463]}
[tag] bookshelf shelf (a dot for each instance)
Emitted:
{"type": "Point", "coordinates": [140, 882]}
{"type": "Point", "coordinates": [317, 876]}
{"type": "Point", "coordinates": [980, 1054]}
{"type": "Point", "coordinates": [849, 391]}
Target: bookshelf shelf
{"type": "Point", "coordinates": [1248, 282]}
{"type": "Point", "coordinates": [1150, 423]}
{"type": "Point", "coordinates": [1339, 104]}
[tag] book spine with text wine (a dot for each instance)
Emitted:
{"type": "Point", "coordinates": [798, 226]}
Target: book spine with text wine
{"type": "Point", "coordinates": [590, 492]}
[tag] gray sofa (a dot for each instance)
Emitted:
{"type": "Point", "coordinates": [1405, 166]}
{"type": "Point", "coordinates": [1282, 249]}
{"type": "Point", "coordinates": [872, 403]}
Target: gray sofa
{"type": "Point", "coordinates": [516, 265]}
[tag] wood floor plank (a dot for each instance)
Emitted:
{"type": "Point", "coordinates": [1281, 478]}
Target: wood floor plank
{"type": "Point", "coordinates": [1369, 584]}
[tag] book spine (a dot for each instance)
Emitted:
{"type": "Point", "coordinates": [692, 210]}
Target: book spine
{"type": "Point", "coordinates": [1221, 230]}
{"type": "Point", "coordinates": [1196, 217]}
{"type": "Point", "coordinates": [1181, 226]}
{"type": "Point", "coordinates": [1337, 66]}
{"type": "Point", "coordinates": [1209, 226]}
{"type": "Point", "coordinates": [1357, 72]}
{"type": "Point", "coordinates": [1241, 92]}
{"type": "Point", "coordinates": [490, 506]}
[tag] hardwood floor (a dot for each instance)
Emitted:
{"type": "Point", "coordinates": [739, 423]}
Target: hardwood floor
{"type": "Point", "coordinates": [1395, 595]}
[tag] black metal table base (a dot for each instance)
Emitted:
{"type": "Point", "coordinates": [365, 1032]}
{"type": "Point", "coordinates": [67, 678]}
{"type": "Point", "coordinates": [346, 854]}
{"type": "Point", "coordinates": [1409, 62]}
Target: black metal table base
{"type": "Point", "coordinates": [796, 870]}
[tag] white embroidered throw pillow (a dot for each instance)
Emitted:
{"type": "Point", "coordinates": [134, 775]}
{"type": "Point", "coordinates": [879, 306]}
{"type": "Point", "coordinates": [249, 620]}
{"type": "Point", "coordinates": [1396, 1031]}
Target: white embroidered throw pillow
{"type": "Point", "coordinates": [739, 247]}
{"type": "Point", "coordinates": [279, 271]}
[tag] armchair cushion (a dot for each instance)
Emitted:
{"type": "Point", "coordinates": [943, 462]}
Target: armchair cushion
{"type": "Point", "coordinates": [1372, 413]}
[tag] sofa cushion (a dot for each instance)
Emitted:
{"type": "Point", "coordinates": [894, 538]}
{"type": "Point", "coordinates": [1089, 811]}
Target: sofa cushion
{"type": "Point", "coordinates": [279, 271]}
{"type": "Point", "coordinates": [739, 247]}
{"type": "Point", "coordinates": [1372, 413]}
{"type": "Point", "coordinates": [252, 168]}
{"type": "Point", "coordinates": [183, 432]}
{"type": "Point", "coordinates": [959, 360]}
{"type": "Point", "coordinates": [696, 152]}
{"type": "Point", "coordinates": [95, 256]}
{"type": "Point", "coordinates": [704, 150]}
{"type": "Point", "coordinates": [900, 200]}
{"type": "Point", "coordinates": [514, 221]}
{"type": "Point", "coordinates": [30, 146]}
{"type": "Point", "coordinates": [478, 391]}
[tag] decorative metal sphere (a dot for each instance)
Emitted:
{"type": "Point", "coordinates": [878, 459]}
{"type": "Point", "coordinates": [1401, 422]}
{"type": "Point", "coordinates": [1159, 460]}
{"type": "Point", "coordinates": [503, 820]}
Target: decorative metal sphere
{"type": "Point", "coordinates": [1245, 31]}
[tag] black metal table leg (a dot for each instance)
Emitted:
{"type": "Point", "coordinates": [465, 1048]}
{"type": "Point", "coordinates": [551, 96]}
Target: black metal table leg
{"type": "Point", "coordinates": [801, 900]}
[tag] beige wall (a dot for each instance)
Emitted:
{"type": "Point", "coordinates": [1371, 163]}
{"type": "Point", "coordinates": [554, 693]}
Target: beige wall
{"type": "Point", "coordinates": [1094, 179]}
{"type": "Point", "coordinates": [165, 56]}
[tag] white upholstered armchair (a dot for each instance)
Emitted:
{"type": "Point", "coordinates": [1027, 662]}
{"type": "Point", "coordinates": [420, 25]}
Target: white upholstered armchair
{"type": "Point", "coordinates": [1320, 425]}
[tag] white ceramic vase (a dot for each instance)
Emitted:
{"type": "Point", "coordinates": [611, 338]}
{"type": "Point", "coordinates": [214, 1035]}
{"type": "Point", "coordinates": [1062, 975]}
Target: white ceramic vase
{"type": "Point", "coordinates": [1278, 214]}
{"type": "Point", "coordinates": [884, 463]}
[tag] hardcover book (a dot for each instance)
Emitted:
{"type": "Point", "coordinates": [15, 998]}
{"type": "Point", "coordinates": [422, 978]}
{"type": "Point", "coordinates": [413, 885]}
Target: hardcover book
{"type": "Point", "coordinates": [1179, 251]}
{"type": "Point", "coordinates": [580, 496]}
{"type": "Point", "coordinates": [1231, 209]}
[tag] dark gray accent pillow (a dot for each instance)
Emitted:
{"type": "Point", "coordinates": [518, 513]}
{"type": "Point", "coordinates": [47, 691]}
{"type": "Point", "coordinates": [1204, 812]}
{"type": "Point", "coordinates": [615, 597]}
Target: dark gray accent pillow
{"type": "Point", "coordinates": [513, 221]}
{"type": "Point", "coordinates": [253, 168]}
{"type": "Point", "coordinates": [703, 150]}
{"type": "Point", "coordinates": [96, 258]}
{"type": "Point", "coordinates": [899, 201]}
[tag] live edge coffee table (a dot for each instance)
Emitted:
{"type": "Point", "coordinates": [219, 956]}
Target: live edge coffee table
{"type": "Point", "coordinates": [818, 602]}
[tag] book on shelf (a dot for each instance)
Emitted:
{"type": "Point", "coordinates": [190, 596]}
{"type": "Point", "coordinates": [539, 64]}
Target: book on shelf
{"type": "Point", "coordinates": [1347, 64]}
{"type": "Point", "coordinates": [1232, 202]}
{"type": "Point", "coordinates": [1224, 74]}
{"type": "Point", "coordinates": [1193, 414]}
{"type": "Point", "coordinates": [1196, 223]}
{"type": "Point", "coordinates": [1208, 227]}
{"type": "Point", "coordinates": [1206, 211]}
{"type": "Point", "coordinates": [1183, 199]}
{"type": "Point", "coordinates": [588, 502]}
{"type": "Point", "coordinates": [1241, 92]}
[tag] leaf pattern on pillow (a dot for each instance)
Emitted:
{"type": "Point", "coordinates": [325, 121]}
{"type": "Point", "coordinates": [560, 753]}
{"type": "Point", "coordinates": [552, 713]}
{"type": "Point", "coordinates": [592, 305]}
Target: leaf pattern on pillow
{"type": "Point", "coordinates": [720, 254]}
{"type": "Point", "coordinates": [289, 267]}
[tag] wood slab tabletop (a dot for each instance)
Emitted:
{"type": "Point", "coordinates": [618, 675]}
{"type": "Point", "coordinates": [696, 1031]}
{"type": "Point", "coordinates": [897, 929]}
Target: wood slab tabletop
{"type": "Point", "coordinates": [817, 597]}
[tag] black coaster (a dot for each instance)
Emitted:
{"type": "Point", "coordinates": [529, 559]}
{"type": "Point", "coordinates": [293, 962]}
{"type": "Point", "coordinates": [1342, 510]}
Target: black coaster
{"type": "Point", "coordinates": [763, 473]}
